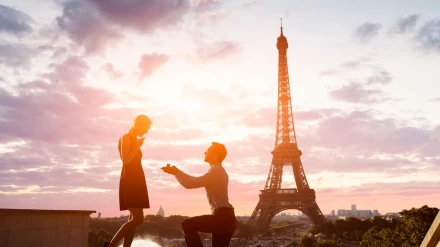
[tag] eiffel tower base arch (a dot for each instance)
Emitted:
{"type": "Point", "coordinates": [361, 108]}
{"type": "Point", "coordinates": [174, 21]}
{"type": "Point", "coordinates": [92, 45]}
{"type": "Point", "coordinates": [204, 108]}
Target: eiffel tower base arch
{"type": "Point", "coordinates": [271, 204]}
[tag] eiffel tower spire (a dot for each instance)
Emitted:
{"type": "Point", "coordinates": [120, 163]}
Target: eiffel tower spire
{"type": "Point", "coordinates": [274, 199]}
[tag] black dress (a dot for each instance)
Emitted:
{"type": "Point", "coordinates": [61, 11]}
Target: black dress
{"type": "Point", "coordinates": [133, 191]}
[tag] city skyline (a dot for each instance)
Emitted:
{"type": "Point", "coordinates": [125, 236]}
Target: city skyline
{"type": "Point", "coordinates": [363, 79]}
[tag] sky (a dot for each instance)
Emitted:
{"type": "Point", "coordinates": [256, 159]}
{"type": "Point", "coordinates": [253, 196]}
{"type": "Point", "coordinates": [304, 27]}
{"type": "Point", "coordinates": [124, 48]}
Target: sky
{"type": "Point", "coordinates": [364, 83]}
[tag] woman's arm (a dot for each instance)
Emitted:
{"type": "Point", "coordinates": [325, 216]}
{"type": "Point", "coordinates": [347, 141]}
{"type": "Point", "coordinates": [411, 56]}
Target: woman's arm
{"type": "Point", "coordinates": [128, 150]}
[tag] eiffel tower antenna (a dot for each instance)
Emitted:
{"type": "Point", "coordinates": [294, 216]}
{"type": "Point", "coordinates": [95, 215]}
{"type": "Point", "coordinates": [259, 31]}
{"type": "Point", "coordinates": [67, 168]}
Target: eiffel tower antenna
{"type": "Point", "coordinates": [274, 199]}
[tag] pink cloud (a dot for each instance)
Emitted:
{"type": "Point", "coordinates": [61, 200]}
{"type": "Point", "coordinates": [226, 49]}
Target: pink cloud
{"type": "Point", "coordinates": [142, 16]}
{"type": "Point", "coordinates": [356, 93]}
{"type": "Point", "coordinates": [205, 5]}
{"type": "Point", "coordinates": [217, 50]}
{"type": "Point", "coordinates": [150, 63]}
{"type": "Point", "coordinates": [96, 25]}
{"type": "Point", "coordinates": [361, 130]}
{"type": "Point", "coordinates": [84, 26]}
{"type": "Point", "coordinates": [111, 71]}
{"type": "Point", "coordinates": [205, 18]}
{"type": "Point", "coordinates": [250, 4]}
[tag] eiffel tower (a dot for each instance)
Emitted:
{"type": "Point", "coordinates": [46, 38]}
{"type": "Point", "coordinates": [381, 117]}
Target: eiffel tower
{"type": "Point", "coordinates": [274, 199]}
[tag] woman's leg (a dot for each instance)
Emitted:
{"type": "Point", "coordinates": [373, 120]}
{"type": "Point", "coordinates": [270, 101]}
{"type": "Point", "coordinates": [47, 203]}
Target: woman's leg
{"type": "Point", "coordinates": [128, 239]}
{"type": "Point", "coordinates": [129, 228]}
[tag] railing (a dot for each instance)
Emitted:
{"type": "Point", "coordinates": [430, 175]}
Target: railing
{"type": "Point", "coordinates": [432, 237]}
{"type": "Point", "coordinates": [287, 191]}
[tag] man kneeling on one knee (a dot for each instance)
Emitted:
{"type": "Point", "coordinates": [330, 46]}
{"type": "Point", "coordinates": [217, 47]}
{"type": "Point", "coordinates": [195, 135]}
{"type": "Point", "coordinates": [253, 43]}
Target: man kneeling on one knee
{"type": "Point", "coordinates": [221, 223]}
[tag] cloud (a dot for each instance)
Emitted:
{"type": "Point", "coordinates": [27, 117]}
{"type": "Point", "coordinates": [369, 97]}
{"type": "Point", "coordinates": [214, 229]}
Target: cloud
{"type": "Point", "coordinates": [356, 93]}
{"type": "Point", "coordinates": [205, 5]}
{"type": "Point", "coordinates": [204, 18]}
{"type": "Point", "coordinates": [290, 10]}
{"type": "Point", "coordinates": [315, 114]}
{"type": "Point", "coordinates": [142, 16]}
{"type": "Point", "coordinates": [250, 4]}
{"type": "Point", "coordinates": [352, 64]}
{"type": "Point", "coordinates": [360, 131]}
{"type": "Point", "coordinates": [14, 21]}
{"type": "Point", "coordinates": [435, 100]}
{"type": "Point", "coordinates": [208, 52]}
{"type": "Point", "coordinates": [367, 31]}
{"type": "Point", "coordinates": [16, 55]}
{"type": "Point", "coordinates": [52, 106]}
{"type": "Point", "coordinates": [355, 64]}
{"type": "Point", "coordinates": [84, 26]}
{"type": "Point", "coordinates": [382, 77]}
{"type": "Point", "coordinates": [150, 63]}
{"type": "Point", "coordinates": [329, 72]}
{"type": "Point", "coordinates": [405, 23]}
{"type": "Point", "coordinates": [108, 67]}
{"type": "Point", "coordinates": [428, 36]}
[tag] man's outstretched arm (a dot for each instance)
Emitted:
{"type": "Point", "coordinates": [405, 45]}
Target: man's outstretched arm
{"type": "Point", "coordinates": [190, 182]}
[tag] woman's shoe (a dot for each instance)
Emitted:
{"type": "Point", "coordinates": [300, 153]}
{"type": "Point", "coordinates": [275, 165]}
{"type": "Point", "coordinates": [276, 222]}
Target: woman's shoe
{"type": "Point", "coordinates": [106, 244]}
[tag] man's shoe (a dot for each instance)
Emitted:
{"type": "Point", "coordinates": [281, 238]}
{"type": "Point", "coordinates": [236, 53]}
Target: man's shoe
{"type": "Point", "coordinates": [106, 244]}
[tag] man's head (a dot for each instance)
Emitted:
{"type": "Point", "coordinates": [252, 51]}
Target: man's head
{"type": "Point", "coordinates": [216, 153]}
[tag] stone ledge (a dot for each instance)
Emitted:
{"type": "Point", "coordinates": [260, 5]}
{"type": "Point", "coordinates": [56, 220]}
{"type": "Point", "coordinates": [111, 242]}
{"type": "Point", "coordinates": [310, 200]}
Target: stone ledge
{"type": "Point", "coordinates": [9, 211]}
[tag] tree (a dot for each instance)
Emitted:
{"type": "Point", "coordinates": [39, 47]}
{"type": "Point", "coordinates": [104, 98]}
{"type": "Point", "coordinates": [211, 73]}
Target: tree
{"type": "Point", "coordinates": [305, 241]}
{"type": "Point", "coordinates": [315, 229]}
{"type": "Point", "coordinates": [98, 238]}
{"type": "Point", "coordinates": [328, 243]}
{"type": "Point", "coordinates": [340, 227]}
{"type": "Point", "coordinates": [410, 232]}
{"type": "Point", "coordinates": [380, 222]}
{"type": "Point", "coordinates": [358, 234]}
{"type": "Point", "coordinates": [242, 230]}
{"type": "Point", "coordinates": [110, 226]}
{"type": "Point", "coordinates": [327, 228]}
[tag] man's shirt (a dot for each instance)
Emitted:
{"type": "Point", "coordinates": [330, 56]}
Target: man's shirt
{"type": "Point", "coordinates": [215, 182]}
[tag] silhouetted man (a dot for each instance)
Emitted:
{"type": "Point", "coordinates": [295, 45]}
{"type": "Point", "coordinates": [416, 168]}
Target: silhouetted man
{"type": "Point", "coordinates": [221, 223]}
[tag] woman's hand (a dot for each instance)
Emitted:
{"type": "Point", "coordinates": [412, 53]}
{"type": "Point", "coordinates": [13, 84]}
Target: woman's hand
{"type": "Point", "coordinates": [140, 142]}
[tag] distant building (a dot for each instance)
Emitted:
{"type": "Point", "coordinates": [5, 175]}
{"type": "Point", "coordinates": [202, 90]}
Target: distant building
{"type": "Point", "coordinates": [160, 212]}
{"type": "Point", "coordinates": [99, 215]}
{"type": "Point", "coordinates": [332, 213]}
{"type": "Point", "coordinates": [390, 216]}
{"type": "Point", "coordinates": [357, 213]}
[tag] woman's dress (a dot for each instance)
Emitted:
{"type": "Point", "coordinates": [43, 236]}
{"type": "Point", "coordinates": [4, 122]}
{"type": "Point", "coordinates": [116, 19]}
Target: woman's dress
{"type": "Point", "coordinates": [133, 191]}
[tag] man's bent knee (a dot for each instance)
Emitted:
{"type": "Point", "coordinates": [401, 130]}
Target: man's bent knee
{"type": "Point", "coordinates": [186, 224]}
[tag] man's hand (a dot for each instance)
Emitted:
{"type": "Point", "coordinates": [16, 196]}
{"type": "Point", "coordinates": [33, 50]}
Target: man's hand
{"type": "Point", "coordinates": [170, 169]}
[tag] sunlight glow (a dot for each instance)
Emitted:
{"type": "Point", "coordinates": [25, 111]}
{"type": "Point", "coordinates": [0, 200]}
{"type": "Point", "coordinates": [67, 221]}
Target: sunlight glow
{"type": "Point", "coordinates": [190, 106]}
{"type": "Point", "coordinates": [143, 243]}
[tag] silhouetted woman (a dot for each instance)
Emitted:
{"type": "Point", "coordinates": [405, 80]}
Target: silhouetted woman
{"type": "Point", "coordinates": [133, 194]}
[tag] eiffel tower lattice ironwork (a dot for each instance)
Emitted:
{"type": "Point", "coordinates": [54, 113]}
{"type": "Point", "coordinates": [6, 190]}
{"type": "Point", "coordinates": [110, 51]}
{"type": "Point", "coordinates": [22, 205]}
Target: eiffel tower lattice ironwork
{"type": "Point", "coordinates": [274, 199]}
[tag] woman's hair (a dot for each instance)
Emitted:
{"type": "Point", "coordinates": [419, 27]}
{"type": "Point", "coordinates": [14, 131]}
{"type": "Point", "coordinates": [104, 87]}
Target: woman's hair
{"type": "Point", "coordinates": [141, 120]}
